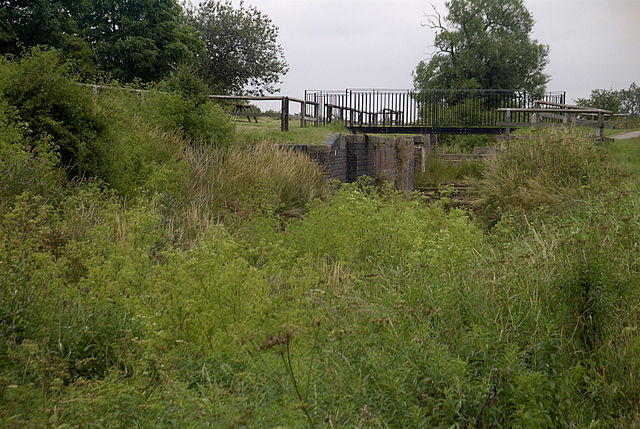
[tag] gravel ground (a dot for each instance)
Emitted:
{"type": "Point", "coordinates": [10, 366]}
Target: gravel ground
{"type": "Point", "coordinates": [630, 135]}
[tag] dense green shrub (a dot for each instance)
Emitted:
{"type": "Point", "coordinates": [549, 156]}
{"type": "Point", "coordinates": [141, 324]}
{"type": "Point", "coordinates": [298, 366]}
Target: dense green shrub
{"type": "Point", "coordinates": [139, 156]}
{"type": "Point", "coordinates": [134, 143]}
{"type": "Point", "coordinates": [185, 82]}
{"type": "Point", "coordinates": [54, 109]}
{"type": "Point", "coordinates": [25, 166]}
{"type": "Point", "coordinates": [181, 104]}
{"type": "Point", "coordinates": [201, 122]}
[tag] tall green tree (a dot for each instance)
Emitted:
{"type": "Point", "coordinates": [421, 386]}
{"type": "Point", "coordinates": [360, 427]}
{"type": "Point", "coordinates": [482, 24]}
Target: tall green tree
{"type": "Point", "coordinates": [630, 99]}
{"type": "Point", "coordinates": [27, 23]}
{"type": "Point", "coordinates": [483, 44]}
{"type": "Point", "coordinates": [242, 53]}
{"type": "Point", "coordinates": [129, 39]}
{"type": "Point", "coordinates": [606, 99]}
{"type": "Point", "coordinates": [139, 39]}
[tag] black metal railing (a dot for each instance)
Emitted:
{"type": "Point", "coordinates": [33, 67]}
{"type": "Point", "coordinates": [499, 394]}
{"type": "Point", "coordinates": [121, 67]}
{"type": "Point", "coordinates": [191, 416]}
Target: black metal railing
{"type": "Point", "coordinates": [435, 109]}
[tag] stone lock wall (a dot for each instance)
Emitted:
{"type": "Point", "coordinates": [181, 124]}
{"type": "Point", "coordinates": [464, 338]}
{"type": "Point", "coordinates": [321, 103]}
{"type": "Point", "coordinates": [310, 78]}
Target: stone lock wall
{"type": "Point", "coordinates": [386, 159]}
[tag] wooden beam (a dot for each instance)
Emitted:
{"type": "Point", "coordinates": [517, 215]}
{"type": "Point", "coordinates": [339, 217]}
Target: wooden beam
{"type": "Point", "coordinates": [552, 116]}
{"type": "Point", "coordinates": [246, 97]}
{"type": "Point", "coordinates": [601, 125]}
{"type": "Point", "coordinates": [552, 103]}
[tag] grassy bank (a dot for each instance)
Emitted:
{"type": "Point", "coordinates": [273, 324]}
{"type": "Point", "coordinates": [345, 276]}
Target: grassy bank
{"type": "Point", "coordinates": [268, 130]}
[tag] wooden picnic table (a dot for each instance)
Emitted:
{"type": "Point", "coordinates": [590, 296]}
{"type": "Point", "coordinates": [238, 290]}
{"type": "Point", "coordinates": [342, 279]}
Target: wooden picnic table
{"type": "Point", "coordinates": [246, 110]}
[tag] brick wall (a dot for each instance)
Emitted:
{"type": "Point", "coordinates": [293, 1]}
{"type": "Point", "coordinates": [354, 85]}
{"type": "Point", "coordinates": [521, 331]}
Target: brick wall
{"type": "Point", "coordinates": [361, 157]}
{"type": "Point", "coordinates": [386, 159]}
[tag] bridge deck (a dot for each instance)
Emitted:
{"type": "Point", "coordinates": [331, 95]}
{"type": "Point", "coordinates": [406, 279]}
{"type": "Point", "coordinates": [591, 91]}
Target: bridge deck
{"type": "Point", "coordinates": [391, 129]}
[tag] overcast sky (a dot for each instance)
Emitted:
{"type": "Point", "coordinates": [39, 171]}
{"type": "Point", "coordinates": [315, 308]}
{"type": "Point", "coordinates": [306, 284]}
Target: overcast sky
{"type": "Point", "coordinates": [338, 44]}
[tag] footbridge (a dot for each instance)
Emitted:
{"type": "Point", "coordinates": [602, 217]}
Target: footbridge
{"type": "Point", "coordinates": [437, 111]}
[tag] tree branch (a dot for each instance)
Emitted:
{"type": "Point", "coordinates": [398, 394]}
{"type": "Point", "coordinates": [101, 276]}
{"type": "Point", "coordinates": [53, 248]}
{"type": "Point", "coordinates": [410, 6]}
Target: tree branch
{"type": "Point", "coordinates": [434, 21]}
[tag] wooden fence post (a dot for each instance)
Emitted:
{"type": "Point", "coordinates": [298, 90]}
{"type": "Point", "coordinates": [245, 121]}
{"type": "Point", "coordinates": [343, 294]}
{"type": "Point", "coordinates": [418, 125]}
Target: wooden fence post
{"type": "Point", "coordinates": [284, 121]}
{"type": "Point", "coordinates": [316, 111]}
{"type": "Point", "coordinates": [601, 124]}
{"type": "Point", "coordinates": [303, 114]}
{"type": "Point", "coordinates": [507, 119]}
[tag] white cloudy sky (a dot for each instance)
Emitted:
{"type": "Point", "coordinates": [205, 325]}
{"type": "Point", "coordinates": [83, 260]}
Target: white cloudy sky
{"type": "Point", "coordinates": [338, 44]}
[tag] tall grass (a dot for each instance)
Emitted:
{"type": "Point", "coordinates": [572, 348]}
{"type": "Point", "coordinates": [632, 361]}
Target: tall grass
{"type": "Point", "coordinates": [551, 169]}
{"type": "Point", "coordinates": [626, 153]}
{"type": "Point", "coordinates": [245, 180]}
{"type": "Point", "coordinates": [443, 172]}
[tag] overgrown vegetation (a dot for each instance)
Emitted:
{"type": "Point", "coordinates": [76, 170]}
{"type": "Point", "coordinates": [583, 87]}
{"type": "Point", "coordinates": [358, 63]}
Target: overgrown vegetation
{"type": "Point", "coordinates": [550, 169]}
{"type": "Point", "coordinates": [444, 172]}
{"type": "Point", "coordinates": [464, 143]}
{"type": "Point", "coordinates": [195, 282]}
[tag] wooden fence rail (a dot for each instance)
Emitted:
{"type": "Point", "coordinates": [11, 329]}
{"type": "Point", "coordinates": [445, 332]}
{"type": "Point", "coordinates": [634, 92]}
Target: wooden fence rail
{"type": "Point", "coordinates": [285, 108]}
{"type": "Point", "coordinates": [284, 114]}
{"type": "Point", "coordinates": [557, 115]}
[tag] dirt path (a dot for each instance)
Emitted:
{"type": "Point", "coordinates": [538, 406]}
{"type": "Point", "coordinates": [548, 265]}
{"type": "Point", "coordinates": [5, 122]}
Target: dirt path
{"type": "Point", "coordinates": [629, 135]}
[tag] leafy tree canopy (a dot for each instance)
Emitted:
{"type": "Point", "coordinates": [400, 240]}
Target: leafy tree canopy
{"type": "Point", "coordinates": [241, 49]}
{"type": "Point", "coordinates": [483, 44]}
{"type": "Point", "coordinates": [25, 23]}
{"type": "Point", "coordinates": [607, 99]}
{"type": "Point", "coordinates": [129, 39]}
{"type": "Point", "coordinates": [143, 39]}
